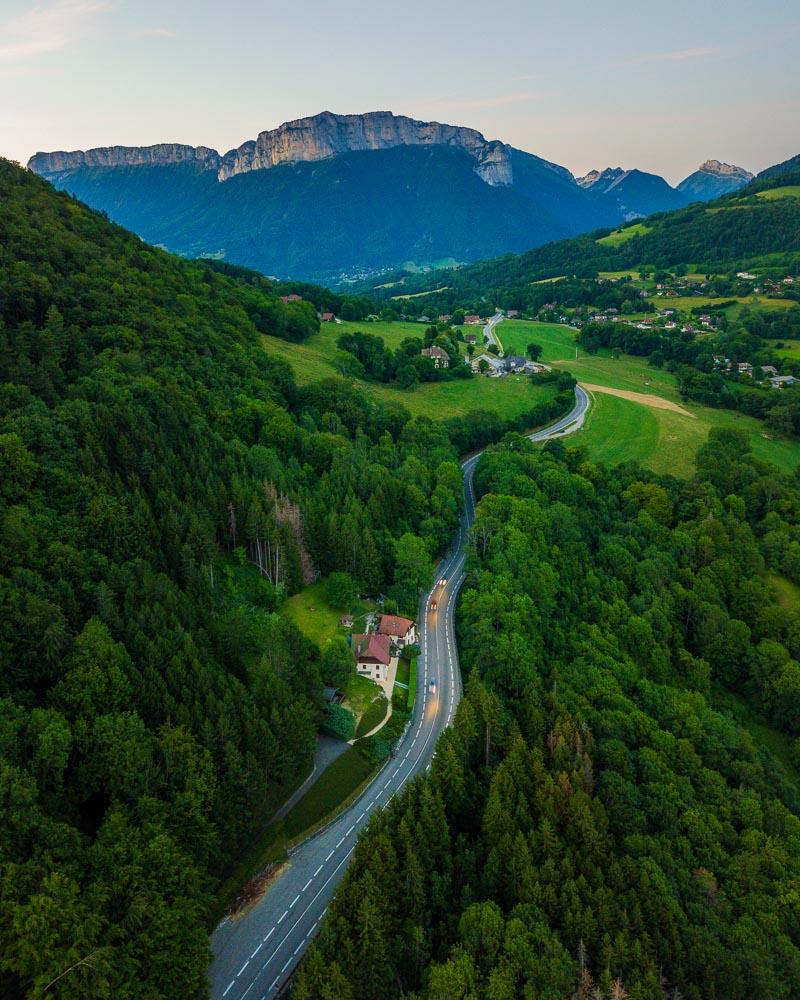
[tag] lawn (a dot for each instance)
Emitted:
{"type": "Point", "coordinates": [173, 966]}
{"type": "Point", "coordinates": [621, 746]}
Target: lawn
{"type": "Point", "coordinates": [375, 713]}
{"type": "Point", "coordinates": [618, 430]}
{"type": "Point", "coordinates": [313, 360]}
{"type": "Point", "coordinates": [403, 668]}
{"type": "Point", "coordinates": [623, 235]}
{"type": "Point", "coordinates": [359, 694]}
{"type": "Point", "coordinates": [337, 783]}
{"type": "Point", "coordinates": [315, 617]}
{"type": "Point", "coordinates": [412, 684]}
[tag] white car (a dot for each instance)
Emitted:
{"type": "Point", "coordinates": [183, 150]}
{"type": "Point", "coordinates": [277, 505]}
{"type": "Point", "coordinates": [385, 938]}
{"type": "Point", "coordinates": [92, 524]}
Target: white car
{"type": "Point", "coordinates": [443, 582]}
{"type": "Point", "coordinates": [432, 687]}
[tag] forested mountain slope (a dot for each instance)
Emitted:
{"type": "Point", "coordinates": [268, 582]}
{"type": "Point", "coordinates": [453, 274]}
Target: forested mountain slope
{"type": "Point", "coordinates": [154, 708]}
{"type": "Point", "coordinates": [596, 824]}
{"type": "Point", "coordinates": [739, 227]}
{"type": "Point", "coordinates": [335, 197]}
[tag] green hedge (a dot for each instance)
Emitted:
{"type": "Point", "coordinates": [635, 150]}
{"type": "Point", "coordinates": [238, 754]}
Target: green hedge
{"type": "Point", "coordinates": [412, 685]}
{"type": "Point", "coordinates": [339, 722]}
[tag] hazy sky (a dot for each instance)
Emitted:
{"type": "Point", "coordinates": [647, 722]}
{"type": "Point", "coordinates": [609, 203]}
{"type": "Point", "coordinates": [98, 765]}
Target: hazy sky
{"type": "Point", "coordinates": [657, 86]}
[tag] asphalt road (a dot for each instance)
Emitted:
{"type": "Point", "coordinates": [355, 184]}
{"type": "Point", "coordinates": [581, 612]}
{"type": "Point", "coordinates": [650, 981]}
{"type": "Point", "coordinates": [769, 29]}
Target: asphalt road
{"type": "Point", "coordinates": [256, 954]}
{"type": "Point", "coordinates": [488, 331]}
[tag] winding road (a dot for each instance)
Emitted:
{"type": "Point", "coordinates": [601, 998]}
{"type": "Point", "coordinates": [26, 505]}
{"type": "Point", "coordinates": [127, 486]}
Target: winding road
{"type": "Point", "coordinates": [488, 332]}
{"type": "Point", "coordinates": [256, 954]}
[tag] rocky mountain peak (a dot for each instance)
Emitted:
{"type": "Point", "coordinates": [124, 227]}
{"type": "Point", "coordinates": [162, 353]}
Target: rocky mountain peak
{"type": "Point", "coordinates": [720, 169]}
{"type": "Point", "coordinates": [601, 179]}
{"type": "Point", "coordinates": [327, 134]}
{"type": "Point", "coordinates": [304, 140]}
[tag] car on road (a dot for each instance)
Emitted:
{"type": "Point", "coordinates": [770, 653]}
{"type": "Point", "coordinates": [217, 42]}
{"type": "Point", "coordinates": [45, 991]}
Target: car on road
{"type": "Point", "coordinates": [443, 582]}
{"type": "Point", "coordinates": [433, 604]}
{"type": "Point", "coordinates": [432, 686]}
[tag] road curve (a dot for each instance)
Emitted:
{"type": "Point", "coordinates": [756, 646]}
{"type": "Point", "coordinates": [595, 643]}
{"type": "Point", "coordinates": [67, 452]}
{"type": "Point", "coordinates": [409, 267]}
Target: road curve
{"type": "Point", "coordinates": [488, 331]}
{"type": "Point", "coordinates": [255, 955]}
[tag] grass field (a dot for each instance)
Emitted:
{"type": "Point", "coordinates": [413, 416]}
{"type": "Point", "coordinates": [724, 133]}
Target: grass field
{"type": "Point", "coordinates": [313, 360]}
{"type": "Point", "coordinates": [623, 235]}
{"type": "Point", "coordinates": [618, 430]}
{"type": "Point", "coordinates": [790, 349]}
{"type": "Point", "coordinates": [789, 191]}
{"type": "Point", "coordinates": [316, 619]}
{"type": "Point", "coordinates": [685, 303]}
{"type": "Point", "coordinates": [421, 295]}
{"type": "Point", "coordinates": [617, 274]}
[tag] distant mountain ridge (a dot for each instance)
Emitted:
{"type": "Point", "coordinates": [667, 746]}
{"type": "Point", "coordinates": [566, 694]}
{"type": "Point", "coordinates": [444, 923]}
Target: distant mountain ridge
{"type": "Point", "coordinates": [635, 192]}
{"type": "Point", "coordinates": [332, 198]}
{"type": "Point", "coordinates": [301, 141]}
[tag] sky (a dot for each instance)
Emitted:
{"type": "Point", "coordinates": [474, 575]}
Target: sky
{"type": "Point", "coordinates": [661, 87]}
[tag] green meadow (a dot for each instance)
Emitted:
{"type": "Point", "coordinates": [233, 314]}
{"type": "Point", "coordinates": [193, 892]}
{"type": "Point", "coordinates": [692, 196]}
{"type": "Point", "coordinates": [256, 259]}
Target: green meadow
{"type": "Point", "coordinates": [616, 429]}
{"type": "Point", "coordinates": [623, 235]}
{"type": "Point", "coordinates": [314, 360]}
{"type": "Point", "coordinates": [619, 430]}
{"type": "Point", "coordinates": [789, 191]}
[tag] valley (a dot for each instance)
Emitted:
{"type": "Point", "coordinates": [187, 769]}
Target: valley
{"type": "Point", "coordinates": [315, 358]}
{"type": "Point", "coordinates": [399, 533]}
{"type": "Point", "coordinates": [300, 201]}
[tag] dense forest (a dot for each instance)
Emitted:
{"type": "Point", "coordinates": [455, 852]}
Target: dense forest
{"type": "Point", "coordinates": [154, 706]}
{"type": "Point", "coordinates": [598, 823]}
{"type": "Point", "coordinates": [739, 228]}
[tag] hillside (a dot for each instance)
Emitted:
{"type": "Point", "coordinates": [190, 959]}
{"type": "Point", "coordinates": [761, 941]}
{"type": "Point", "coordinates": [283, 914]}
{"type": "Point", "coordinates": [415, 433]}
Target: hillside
{"type": "Point", "coordinates": [336, 197]}
{"type": "Point", "coordinates": [740, 229]}
{"type": "Point", "coordinates": [156, 708]}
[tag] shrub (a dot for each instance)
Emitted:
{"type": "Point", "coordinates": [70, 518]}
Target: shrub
{"type": "Point", "coordinates": [339, 722]}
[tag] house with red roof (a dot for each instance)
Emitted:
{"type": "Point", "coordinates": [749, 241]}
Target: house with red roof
{"type": "Point", "coordinates": [401, 631]}
{"type": "Point", "coordinates": [373, 654]}
{"type": "Point", "coordinates": [328, 317]}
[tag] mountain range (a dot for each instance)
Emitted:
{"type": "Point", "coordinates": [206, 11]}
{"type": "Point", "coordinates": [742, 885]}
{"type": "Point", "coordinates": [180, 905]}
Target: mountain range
{"type": "Point", "coordinates": [334, 197]}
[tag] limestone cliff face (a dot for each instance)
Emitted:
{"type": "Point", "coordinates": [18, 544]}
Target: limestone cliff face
{"type": "Point", "coordinates": [123, 156]}
{"type": "Point", "coordinates": [326, 135]}
{"type": "Point", "coordinates": [305, 140]}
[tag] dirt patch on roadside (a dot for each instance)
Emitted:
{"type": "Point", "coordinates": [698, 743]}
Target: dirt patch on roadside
{"type": "Point", "coordinates": [645, 398]}
{"type": "Point", "coordinates": [254, 890]}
